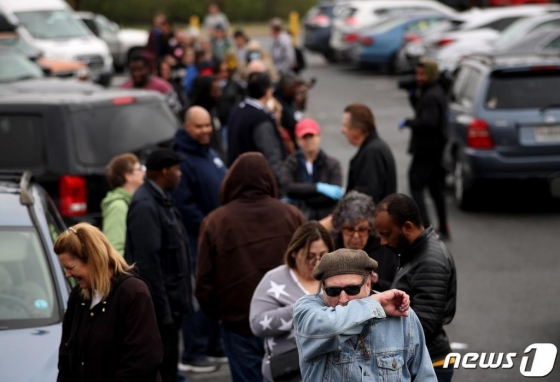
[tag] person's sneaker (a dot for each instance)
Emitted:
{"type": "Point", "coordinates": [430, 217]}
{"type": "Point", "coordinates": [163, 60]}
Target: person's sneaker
{"type": "Point", "coordinates": [444, 235]}
{"type": "Point", "coordinates": [202, 365]}
{"type": "Point", "coordinates": [218, 359]}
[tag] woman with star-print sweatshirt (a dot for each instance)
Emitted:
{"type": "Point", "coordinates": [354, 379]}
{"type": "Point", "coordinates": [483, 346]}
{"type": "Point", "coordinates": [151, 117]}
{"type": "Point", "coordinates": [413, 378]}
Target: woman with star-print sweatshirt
{"type": "Point", "coordinates": [273, 301]}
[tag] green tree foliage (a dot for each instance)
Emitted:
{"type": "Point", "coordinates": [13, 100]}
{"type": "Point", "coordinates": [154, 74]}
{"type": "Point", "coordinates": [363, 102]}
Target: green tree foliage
{"type": "Point", "coordinates": [179, 11]}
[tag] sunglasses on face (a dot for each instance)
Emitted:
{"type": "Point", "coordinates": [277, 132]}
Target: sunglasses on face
{"type": "Point", "coordinates": [350, 290]}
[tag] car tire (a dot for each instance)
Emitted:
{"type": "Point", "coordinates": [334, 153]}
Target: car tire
{"type": "Point", "coordinates": [465, 187]}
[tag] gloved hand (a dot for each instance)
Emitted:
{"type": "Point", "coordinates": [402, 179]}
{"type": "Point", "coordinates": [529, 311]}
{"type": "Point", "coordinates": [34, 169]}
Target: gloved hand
{"type": "Point", "coordinates": [402, 124]}
{"type": "Point", "coordinates": [330, 190]}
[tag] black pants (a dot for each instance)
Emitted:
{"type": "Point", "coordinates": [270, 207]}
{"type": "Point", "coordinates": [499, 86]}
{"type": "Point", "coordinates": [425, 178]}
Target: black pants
{"type": "Point", "coordinates": [170, 338]}
{"type": "Point", "coordinates": [427, 171]}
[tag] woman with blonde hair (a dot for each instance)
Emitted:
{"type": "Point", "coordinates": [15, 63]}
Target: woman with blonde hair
{"type": "Point", "coordinates": [109, 332]}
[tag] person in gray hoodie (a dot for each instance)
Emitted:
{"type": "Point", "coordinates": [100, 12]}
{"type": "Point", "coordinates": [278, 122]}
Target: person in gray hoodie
{"type": "Point", "coordinates": [124, 175]}
{"type": "Point", "coordinates": [272, 305]}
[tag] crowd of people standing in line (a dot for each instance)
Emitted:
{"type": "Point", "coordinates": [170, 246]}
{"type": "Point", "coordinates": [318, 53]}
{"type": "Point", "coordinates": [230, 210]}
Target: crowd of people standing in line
{"type": "Point", "coordinates": [240, 236]}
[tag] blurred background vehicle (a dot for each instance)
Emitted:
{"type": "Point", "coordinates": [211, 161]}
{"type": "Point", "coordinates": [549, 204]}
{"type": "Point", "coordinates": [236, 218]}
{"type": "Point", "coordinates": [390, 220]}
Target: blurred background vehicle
{"type": "Point", "coordinates": [504, 123]}
{"type": "Point", "coordinates": [318, 27]}
{"type": "Point", "coordinates": [67, 139]}
{"type": "Point", "coordinates": [53, 27]}
{"type": "Point", "coordinates": [353, 16]}
{"type": "Point", "coordinates": [380, 44]}
{"type": "Point", "coordinates": [33, 290]}
{"type": "Point", "coordinates": [123, 43]}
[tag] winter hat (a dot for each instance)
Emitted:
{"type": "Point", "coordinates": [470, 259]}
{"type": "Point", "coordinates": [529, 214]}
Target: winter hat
{"type": "Point", "coordinates": [432, 70]}
{"type": "Point", "coordinates": [344, 262]}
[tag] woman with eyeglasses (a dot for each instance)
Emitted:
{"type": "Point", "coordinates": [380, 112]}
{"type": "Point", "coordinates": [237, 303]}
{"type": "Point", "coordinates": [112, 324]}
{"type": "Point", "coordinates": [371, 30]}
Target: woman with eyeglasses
{"type": "Point", "coordinates": [352, 222]}
{"type": "Point", "coordinates": [109, 332]}
{"type": "Point", "coordinates": [273, 301]}
{"type": "Point", "coordinates": [124, 174]}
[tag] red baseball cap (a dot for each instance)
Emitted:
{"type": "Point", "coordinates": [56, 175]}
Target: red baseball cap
{"type": "Point", "coordinates": [307, 126]}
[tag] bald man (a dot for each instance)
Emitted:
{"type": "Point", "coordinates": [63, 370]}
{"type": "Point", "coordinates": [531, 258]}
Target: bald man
{"type": "Point", "coordinates": [197, 196]}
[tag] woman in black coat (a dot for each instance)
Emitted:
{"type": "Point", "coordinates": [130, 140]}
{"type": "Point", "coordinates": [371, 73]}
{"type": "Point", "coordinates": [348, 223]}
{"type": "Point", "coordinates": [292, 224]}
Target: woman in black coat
{"type": "Point", "coordinates": [109, 331]}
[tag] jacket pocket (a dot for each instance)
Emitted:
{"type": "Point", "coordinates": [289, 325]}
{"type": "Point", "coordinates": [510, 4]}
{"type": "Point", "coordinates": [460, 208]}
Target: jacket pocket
{"type": "Point", "coordinates": [390, 367]}
{"type": "Point", "coordinates": [339, 367]}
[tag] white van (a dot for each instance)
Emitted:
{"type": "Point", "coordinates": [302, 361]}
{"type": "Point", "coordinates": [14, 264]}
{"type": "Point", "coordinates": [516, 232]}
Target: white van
{"type": "Point", "coordinates": [54, 27]}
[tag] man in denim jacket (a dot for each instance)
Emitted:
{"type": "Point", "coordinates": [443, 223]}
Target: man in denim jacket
{"type": "Point", "coordinates": [349, 334]}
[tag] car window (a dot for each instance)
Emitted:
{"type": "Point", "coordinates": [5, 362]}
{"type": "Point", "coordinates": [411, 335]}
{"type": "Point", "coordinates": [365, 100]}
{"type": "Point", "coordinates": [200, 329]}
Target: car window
{"type": "Point", "coordinates": [502, 24]}
{"type": "Point", "coordinates": [392, 11]}
{"type": "Point", "coordinates": [57, 24]}
{"type": "Point", "coordinates": [552, 24]}
{"type": "Point", "coordinates": [14, 66]}
{"type": "Point", "coordinates": [552, 45]}
{"type": "Point", "coordinates": [92, 25]}
{"type": "Point", "coordinates": [103, 132]}
{"type": "Point", "coordinates": [21, 46]}
{"type": "Point", "coordinates": [510, 34]}
{"type": "Point", "coordinates": [27, 292]}
{"type": "Point", "coordinates": [22, 141]}
{"type": "Point", "coordinates": [526, 90]}
{"type": "Point", "coordinates": [105, 25]}
{"type": "Point", "coordinates": [422, 26]}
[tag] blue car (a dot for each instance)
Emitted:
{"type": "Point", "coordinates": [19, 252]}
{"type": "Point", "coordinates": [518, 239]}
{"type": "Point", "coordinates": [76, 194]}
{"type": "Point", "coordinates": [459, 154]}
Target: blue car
{"type": "Point", "coordinates": [33, 290]}
{"type": "Point", "coordinates": [380, 44]}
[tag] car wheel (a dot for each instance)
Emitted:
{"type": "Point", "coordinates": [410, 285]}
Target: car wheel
{"type": "Point", "coordinates": [465, 187]}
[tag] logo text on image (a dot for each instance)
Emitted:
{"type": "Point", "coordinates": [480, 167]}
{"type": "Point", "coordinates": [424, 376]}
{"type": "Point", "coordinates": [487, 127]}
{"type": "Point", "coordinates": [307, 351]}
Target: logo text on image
{"type": "Point", "coordinates": [544, 357]}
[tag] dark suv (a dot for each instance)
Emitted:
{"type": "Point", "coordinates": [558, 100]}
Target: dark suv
{"type": "Point", "coordinates": [66, 140]}
{"type": "Point", "coordinates": [504, 122]}
{"type": "Point", "coordinates": [33, 290]}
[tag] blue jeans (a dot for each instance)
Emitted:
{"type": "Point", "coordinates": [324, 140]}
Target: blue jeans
{"type": "Point", "coordinates": [201, 337]}
{"type": "Point", "coordinates": [444, 375]}
{"type": "Point", "coordinates": [245, 354]}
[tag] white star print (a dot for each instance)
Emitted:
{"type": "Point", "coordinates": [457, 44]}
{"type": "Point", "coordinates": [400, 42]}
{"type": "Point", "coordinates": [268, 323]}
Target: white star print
{"type": "Point", "coordinates": [265, 323]}
{"type": "Point", "coordinates": [286, 325]}
{"type": "Point", "coordinates": [277, 290]}
{"type": "Point", "coordinates": [292, 334]}
{"type": "Point", "coordinates": [271, 343]}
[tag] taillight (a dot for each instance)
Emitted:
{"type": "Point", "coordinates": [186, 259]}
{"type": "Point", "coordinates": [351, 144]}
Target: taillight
{"type": "Point", "coordinates": [478, 135]}
{"type": "Point", "coordinates": [351, 37]}
{"type": "Point", "coordinates": [412, 38]}
{"type": "Point", "coordinates": [445, 41]}
{"type": "Point", "coordinates": [367, 41]}
{"type": "Point", "coordinates": [321, 20]}
{"type": "Point", "coordinates": [351, 20]}
{"type": "Point", "coordinates": [73, 195]}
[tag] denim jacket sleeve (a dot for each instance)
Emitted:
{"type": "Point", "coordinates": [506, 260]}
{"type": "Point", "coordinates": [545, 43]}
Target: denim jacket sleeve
{"type": "Point", "coordinates": [321, 329]}
{"type": "Point", "coordinates": [420, 364]}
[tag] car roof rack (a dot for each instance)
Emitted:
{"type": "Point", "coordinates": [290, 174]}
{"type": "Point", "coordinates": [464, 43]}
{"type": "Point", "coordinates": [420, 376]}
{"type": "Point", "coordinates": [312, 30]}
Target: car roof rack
{"type": "Point", "coordinates": [24, 180]}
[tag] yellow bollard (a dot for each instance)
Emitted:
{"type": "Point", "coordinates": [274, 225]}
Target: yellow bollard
{"type": "Point", "coordinates": [294, 27]}
{"type": "Point", "coordinates": [194, 22]}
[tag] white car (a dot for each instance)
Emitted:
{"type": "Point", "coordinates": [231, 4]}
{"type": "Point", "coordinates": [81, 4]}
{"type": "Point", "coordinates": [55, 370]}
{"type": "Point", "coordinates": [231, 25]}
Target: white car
{"type": "Point", "coordinates": [480, 28]}
{"type": "Point", "coordinates": [122, 43]}
{"type": "Point", "coordinates": [53, 27]}
{"type": "Point", "coordinates": [352, 16]}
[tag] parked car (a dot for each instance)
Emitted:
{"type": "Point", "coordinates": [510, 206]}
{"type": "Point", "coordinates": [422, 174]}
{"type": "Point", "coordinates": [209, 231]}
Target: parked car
{"type": "Point", "coordinates": [352, 16]}
{"type": "Point", "coordinates": [380, 44]}
{"type": "Point", "coordinates": [504, 122]}
{"type": "Point", "coordinates": [33, 290]}
{"type": "Point", "coordinates": [449, 48]}
{"type": "Point", "coordinates": [18, 74]}
{"type": "Point", "coordinates": [53, 27]}
{"type": "Point", "coordinates": [123, 43]}
{"type": "Point", "coordinates": [318, 26]}
{"type": "Point", "coordinates": [57, 68]}
{"type": "Point", "coordinates": [67, 139]}
{"type": "Point", "coordinates": [543, 42]}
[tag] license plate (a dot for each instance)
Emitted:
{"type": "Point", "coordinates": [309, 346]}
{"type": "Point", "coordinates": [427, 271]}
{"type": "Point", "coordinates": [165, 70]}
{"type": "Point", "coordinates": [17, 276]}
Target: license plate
{"type": "Point", "coordinates": [547, 134]}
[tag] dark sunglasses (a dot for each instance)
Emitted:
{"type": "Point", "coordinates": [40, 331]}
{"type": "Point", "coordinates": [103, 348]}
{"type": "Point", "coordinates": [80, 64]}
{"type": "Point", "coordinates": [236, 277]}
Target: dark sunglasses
{"type": "Point", "coordinates": [351, 290]}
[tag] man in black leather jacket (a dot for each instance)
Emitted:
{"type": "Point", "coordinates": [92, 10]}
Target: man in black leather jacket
{"type": "Point", "coordinates": [426, 271]}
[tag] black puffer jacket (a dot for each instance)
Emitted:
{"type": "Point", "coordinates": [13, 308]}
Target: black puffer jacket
{"type": "Point", "coordinates": [428, 275]}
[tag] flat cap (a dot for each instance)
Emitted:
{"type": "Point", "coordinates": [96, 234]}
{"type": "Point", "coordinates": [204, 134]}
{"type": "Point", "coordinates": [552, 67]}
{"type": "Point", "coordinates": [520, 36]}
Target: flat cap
{"type": "Point", "coordinates": [163, 158]}
{"type": "Point", "coordinates": [344, 262]}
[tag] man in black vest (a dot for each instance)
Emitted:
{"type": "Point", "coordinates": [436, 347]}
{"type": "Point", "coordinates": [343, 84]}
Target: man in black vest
{"type": "Point", "coordinates": [253, 128]}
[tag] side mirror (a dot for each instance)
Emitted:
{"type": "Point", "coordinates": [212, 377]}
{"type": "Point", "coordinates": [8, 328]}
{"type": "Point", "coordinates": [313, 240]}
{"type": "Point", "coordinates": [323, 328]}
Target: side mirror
{"type": "Point", "coordinates": [47, 71]}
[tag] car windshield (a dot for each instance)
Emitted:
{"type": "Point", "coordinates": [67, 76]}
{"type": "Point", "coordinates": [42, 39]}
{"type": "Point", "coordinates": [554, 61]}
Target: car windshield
{"type": "Point", "coordinates": [20, 45]}
{"type": "Point", "coordinates": [28, 297]}
{"type": "Point", "coordinates": [103, 132]}
{"type": "Point", "coordinates": [58, 24]}
{"type": "Point", "coordinates": [387, 24]}
{"type": "Point", "coordinates": [528, 90]}
{"type": "Point", "coordinates": [16, 67]}
{"type": "Point", "coordinates": [512, 33]}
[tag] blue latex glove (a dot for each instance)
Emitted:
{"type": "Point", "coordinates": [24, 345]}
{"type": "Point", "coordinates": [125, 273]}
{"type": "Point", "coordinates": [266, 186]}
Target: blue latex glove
{"type": "Point", "coordinates": [402, 124]}
{"type": "Point", "coordinates": [330, 190]}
